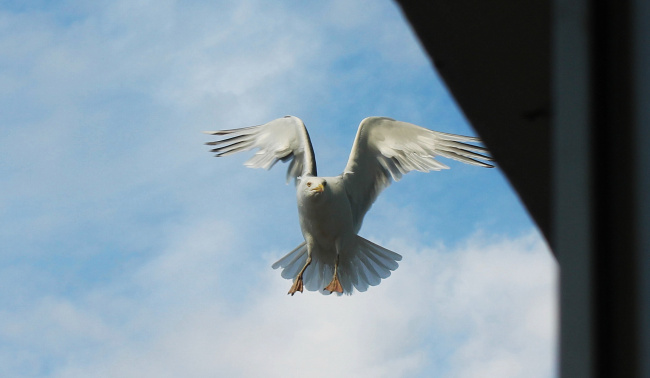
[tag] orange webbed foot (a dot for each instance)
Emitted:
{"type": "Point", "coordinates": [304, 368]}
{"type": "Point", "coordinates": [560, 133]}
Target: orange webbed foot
{"type": "Point", "coordinates": [297, 286]}
{"type": "Point", "coordinates": [334, 285]}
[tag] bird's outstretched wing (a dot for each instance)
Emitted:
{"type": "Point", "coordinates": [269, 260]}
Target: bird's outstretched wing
{"type": "Point", "coordinates": [386, 148]}
{"type": "Point", "coordinates": [281, 139]}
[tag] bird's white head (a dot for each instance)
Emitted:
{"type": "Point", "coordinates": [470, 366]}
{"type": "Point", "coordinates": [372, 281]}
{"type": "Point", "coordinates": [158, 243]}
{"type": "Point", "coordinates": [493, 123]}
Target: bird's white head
{"type": "Point", "coordinates": [314, 186]}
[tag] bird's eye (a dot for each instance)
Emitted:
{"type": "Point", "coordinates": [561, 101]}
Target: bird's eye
{"type": "Point", "coordinates": [308, 184]}
{"type": "Point", "coordinates": [324, 183]}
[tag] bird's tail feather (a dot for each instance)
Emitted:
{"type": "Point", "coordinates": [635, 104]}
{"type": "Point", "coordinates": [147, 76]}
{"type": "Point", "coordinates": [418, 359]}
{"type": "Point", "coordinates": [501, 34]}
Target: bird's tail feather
{"type": "Point", "coordinates": [292, 262]}
{"type": "Point", "coordinates": [362, 265]}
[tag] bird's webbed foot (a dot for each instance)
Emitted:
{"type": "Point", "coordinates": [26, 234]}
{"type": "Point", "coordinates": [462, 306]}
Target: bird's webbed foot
{"type": "Point", "coordinates": [297, 285]}
{"type": "Point", "coordinates": [334, 285]}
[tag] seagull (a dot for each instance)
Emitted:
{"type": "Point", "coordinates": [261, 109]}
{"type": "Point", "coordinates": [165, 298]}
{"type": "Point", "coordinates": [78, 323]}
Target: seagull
{"type": "Point", "coordinates": [333, 257]}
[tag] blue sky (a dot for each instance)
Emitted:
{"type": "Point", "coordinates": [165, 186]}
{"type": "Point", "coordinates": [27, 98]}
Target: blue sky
{"type": "Point", "coordinates": [127, 250]}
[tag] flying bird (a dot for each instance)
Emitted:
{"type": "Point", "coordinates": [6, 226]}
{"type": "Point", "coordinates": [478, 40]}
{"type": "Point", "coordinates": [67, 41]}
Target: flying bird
{"type": "Point", "coordinates": [333, 257]}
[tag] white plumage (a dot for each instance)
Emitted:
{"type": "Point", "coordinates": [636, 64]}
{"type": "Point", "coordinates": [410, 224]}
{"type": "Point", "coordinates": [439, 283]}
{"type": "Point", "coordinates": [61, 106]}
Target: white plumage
{"type": "Point", "coordinates": [333, 258]}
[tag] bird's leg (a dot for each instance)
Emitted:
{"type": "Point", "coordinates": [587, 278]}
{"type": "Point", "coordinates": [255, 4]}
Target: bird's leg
{"type": "Point", "coordinates": [297, 284]}
{"type": "Point", "coordinates": [335, 284]}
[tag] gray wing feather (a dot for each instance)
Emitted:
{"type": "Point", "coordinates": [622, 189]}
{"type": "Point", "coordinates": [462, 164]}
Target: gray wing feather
{"type": "Point", "coordinates": [281, 139]}
{"type": "Point", "coordinates": [386, 149]}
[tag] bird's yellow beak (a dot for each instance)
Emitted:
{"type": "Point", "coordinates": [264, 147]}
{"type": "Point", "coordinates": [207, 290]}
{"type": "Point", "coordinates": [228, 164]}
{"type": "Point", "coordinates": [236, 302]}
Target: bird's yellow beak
{"type": "Point", "coordinates": [319, 188]}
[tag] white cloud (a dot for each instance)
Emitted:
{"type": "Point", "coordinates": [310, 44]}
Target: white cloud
{"type": "Point", "coordinates": [487, 305]}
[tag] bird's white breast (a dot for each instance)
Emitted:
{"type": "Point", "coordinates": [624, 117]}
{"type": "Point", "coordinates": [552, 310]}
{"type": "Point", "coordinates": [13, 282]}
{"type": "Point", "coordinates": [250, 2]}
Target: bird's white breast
{"type": "Point", "coordinates": [326, 218]}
